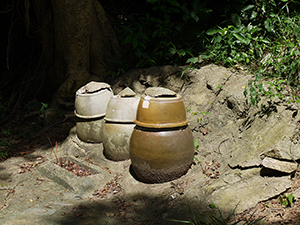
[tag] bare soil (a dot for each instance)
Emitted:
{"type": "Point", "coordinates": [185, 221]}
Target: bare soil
{"type": "Point", "coordinates": [24, 133]}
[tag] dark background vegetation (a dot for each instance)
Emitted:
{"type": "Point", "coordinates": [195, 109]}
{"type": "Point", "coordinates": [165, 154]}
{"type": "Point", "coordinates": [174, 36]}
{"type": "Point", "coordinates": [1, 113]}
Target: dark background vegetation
{"type": "Point", "coordinates": [150, 33]}
{"type": "Point", "coordinates": [260, 35]}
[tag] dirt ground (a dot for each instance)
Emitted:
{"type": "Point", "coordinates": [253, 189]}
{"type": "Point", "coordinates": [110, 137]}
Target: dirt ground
{"type": "Point", "coordinates": [24, 133]}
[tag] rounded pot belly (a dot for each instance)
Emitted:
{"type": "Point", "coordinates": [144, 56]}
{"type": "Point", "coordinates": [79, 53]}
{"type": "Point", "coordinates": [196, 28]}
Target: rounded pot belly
{"type": "Point", "coordinates": [90, 130]}
{"type": "Point", "coordinates": [161, 155]}
{"type": "Point", "coordinates": [116, 137]}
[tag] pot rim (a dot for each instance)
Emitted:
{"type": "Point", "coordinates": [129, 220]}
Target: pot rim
{"type": "Point", "coordinates": [161, 125]}
{"type": "Point", "coordinates": [88, 117]}
{"type": "Point", "coordinates": [118, 120]}
{"type": "Point", "coordinates": [159, 98]}
{"type": "Point", "coordinates": [123, 98]}
{"type": "Point", "coordinates": [109, 116]}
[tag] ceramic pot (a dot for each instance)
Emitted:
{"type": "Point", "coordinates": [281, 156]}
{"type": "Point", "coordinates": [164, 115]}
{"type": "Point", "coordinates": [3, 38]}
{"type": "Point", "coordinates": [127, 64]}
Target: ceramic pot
{"type": "Point", "coordinates": [161, 112]}
{"type": "Point", "coordinates": [122, 109]}
{"type": "Point", "coordinates": [161, 155]}
{"type": "Point", "coordinates": [90, 130]}
{"type": "Point", "coordinates": [116, 138]}
{"type": "Point", "coordinates": [91, 100]}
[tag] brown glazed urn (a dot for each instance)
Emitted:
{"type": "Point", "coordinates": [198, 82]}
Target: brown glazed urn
{"type": "Point", "coordinates": [161, 145]}
{"type": "Point", "coordinates": [161, 155]}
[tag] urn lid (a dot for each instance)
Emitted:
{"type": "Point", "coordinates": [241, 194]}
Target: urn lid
{"type": "Point", "coordinates": [159, 92]}
{"type": "Point", "coordinates": [127, 92]}
{"type": "Point", "coordinates": [92, 99]}
{"type": "Point", "coordinates": [92, 87]}
{"type": "Point", "coordinates": [122, 107]}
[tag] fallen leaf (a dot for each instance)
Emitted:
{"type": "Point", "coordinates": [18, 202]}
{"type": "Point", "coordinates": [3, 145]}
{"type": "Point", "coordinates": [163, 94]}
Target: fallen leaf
{"type": "Point", "coordinates": [79, 214]}
{"type": "Point", "coordinates": [209, 163]}
{"type": "Point", "coordinates": [109, 214]}
{"type": "Point", "coordinates": [21, 171]}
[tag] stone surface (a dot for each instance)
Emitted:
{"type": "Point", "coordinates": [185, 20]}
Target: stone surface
{"type": "Point", "coordinates": [282, 166]}
{"type": "Point", "coordinates": [296, 193]}
{"type": "Point", "coordinates": [248, 192]}
{"type": "Point", "coordinates": [233, 140]}
{"type": "Point", "coordinates": [71, 181]}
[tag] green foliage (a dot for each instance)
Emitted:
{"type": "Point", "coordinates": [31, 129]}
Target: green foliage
{"type": "Point", "coordinates": [6, 133]}
{"type": "Point", "coordinates": [200, 119]}
{"type": "Point", "coordinates": [286, 200]}
{"type": "Point", "coordinates": [3, 153]}
{"type": "Point", "coordinates": [235, 44]}
{"type": "Point", "coordinates": [213, 220]}
{"type": "Point", "coordinates": [160, 31]}
{"type": "Point", "coordinates": [37, 110]}
{"type": "Point", "coordinates": [212, 205]}
{"type": "Point", "coordinates": [3, 107]}
{"type": "Point", "coordinates": [196, 145]}
{"type": "Point", "coordinates": [3, 145]}
{"type": "Point", "coordinates": [43, 109]}
{"type": "Point", "coordinates": [264, 36]}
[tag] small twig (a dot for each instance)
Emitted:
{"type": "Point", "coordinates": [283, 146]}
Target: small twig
{"type": "Point", "coordinates": [201, 168]}
{"type": "Point", "coordinates": [142, 199]}
{"type": "Point", "coordinates": [220, 145]}
{"type": "Point", "coordinates": [68, 162]}
{"type": "Point", "coordinates": [10, 191]}
{"type": "Point", "coordinates": [50, 144]}
{"type": "Point", "coordinates": [56, 152]}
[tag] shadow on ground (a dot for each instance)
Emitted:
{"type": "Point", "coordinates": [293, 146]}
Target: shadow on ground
{"type": "Point", "coordinates": [136, 209]}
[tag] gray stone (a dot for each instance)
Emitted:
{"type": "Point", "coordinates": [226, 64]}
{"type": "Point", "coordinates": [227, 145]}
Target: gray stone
{"type": "Point", "coordinates": [296, 193]}
{"type": "Point", "coordinates": [259, 136]}
{"type": "Point", "coordinates": [282, 166]}
{"type": "Point", "coordinates": [248, 192]}
{"type": "Point", "coordinates": [73, 182]}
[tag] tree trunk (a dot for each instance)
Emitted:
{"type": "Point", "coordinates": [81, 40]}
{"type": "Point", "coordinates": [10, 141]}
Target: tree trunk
{"type": "Point", "coordinates": [84, 44]}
